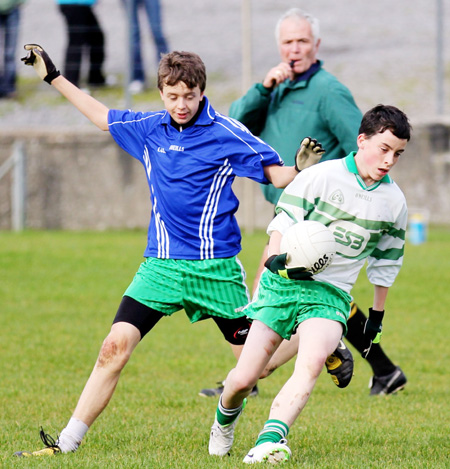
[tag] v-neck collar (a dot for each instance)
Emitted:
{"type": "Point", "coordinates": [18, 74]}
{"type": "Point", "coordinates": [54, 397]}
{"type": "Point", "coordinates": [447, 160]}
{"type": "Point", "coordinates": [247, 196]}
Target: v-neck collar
{"type": "Point", "coordinates": [350, 163]}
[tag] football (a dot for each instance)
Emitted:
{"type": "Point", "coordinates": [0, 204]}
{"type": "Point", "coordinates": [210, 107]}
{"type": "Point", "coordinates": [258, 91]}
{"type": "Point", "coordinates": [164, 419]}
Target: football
{"type": "Point", "coordinates": [308, 244]}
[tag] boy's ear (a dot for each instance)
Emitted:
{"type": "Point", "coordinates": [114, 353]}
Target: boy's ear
{"type": "Point", "coordinates": [360, 140]}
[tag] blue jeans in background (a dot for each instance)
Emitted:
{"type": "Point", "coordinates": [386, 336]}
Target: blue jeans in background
{"type": "Point", "coordinates": [153, 10]}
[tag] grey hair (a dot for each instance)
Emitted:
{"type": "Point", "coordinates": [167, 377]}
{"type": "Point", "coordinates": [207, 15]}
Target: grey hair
{"type": "Point", "coordinates": [299, 14]}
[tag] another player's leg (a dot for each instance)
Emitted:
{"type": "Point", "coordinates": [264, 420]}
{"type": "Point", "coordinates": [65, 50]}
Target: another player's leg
{"type": "Point", "coordinates": [339, 364]}
{"type": "Point", "coordinates": [217, 391]}
{"type": "Point", "coordinates": [235, 332]}
{"type": "Point", "coordinates": [388, 378]}
{"type": "Point", "coordinates": [318, 339]}
{"type": "Point", "coordinates": [260, 345]}
{"type": "Point", "coordinates": [133, 320]}
{"type": "Point", "coordinates": [226, 294]}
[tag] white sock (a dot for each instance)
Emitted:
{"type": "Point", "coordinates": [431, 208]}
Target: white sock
{"type": "Point", "coordinates": [71, 436]}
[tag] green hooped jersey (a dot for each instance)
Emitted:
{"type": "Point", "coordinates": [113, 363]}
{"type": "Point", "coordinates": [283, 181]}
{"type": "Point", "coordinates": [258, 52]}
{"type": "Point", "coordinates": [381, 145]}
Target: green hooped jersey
{"type": "Point", "coordinates": [368, 223]}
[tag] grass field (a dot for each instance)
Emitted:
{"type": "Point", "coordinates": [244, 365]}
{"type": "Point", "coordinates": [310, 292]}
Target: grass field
{"type": "Point", "coordinates": [59, 292]}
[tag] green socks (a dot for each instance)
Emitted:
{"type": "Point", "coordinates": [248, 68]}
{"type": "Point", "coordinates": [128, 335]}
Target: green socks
{"type": "Point", "coordinates": [227, 416]}
{"type": "Point", "coordinates": [273, 431]}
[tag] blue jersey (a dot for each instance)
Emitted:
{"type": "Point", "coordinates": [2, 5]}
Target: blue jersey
{"type": "Point", "coordinates": [190, 173]}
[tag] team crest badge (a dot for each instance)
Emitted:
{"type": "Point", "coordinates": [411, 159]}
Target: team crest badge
{"type": "Point", "coordinates": [337, 197]}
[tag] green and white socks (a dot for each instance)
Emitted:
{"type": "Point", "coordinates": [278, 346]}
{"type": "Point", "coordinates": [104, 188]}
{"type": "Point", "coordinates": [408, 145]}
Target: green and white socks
{"type": "Point", "coordinates": [227, 416]}
{"type": "Point", "coordinates": [273, 431]}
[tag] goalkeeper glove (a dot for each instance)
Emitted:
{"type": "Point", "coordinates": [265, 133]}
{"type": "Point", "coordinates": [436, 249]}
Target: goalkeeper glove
{"type": "Point", "coordinates": [372, 331]}
{"type": "Point", "coordinates": [41, 62]}
{"type": "Point", "coordinates": [309, 153]}
{"type": "Point", "coordinates": [277, 265]}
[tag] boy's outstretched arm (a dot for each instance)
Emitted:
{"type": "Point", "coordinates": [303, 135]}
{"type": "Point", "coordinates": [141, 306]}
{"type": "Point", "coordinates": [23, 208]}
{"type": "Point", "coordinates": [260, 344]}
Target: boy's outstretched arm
{"type": "Point", "coordinates": [94, 110]}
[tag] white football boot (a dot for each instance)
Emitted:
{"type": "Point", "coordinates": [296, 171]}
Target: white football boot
{"type": "Point", "coordinates": [222, 436]}
{"type": "Point", "coordinates": [273, 453]}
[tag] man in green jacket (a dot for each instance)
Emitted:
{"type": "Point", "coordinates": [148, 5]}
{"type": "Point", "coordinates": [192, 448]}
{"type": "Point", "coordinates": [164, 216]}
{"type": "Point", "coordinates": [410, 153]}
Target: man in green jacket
{"type": "Point", "coordinates": [298, 97]}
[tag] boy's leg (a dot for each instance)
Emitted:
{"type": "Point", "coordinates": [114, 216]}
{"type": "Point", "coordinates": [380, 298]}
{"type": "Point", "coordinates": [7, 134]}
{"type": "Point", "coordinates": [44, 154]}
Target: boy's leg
{"type": "Point", "coordinates": [340, 374]}
{"type": "Point", "coordinates": [318, 338]}
{"type": "Point", "coordinates": [231, 329]}
{"type": "Point", "coordinates": [339, 364]}
{"type": "Point", "coordinates": [261, 343]}
{"type": "Point", "coordinates": [113, 356]}
{"type": "Point", "coordinates": [388, 378]}
{"type": "Point", "coordinates": [132, 322]}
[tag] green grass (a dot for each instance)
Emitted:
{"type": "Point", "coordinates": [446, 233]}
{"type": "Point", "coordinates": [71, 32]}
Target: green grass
{"type": "Point", "coordinates": [59, 292]}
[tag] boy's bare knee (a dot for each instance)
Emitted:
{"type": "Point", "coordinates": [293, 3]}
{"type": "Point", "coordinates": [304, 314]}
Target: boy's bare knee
{"type": "Point", "coordinates": [113, 353]}
{"type": "Point", "coordinates": [241, 384]}
{"type": "Point", "coordinates": [315, 365]}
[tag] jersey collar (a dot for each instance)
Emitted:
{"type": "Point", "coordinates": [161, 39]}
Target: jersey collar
{"type": "Point", "coordinates": [349, 162]}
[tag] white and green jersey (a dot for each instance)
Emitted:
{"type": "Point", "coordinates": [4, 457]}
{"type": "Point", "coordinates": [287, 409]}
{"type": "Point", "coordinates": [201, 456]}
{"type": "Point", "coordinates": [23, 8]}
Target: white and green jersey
{"type": "Point", "coordinates": [367, 222]}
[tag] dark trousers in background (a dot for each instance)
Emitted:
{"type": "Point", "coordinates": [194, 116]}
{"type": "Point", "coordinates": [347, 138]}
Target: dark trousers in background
{"type": "Point", "coordinates": [9, 32]}
{"type": "Point", "coordinates": [85, 35]}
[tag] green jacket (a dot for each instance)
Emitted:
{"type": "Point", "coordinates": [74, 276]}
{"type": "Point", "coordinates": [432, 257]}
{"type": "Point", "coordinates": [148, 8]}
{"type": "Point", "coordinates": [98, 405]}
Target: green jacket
{"type": "Point", "coordinates": [320, 107]}
{"type": "Point", "coordinates": [7, 5]}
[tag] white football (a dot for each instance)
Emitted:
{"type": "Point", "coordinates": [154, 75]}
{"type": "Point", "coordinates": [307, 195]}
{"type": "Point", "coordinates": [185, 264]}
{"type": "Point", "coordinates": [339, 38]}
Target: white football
{"type": "Point", "coordinates": [308, 244]}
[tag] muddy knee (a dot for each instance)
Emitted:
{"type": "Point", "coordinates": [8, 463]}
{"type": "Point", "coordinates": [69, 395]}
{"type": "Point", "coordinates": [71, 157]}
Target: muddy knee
{"type": "Point", "coordinates": [114, 352]}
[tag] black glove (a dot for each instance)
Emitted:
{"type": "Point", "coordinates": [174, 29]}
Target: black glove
{"type": "Point", "coordinates": [309, 153]}
{"type": "Point", "coordinates": [41, 62]}
{"type": "Point", "coordinates": [372, 331]}
{"type": "Point", "coordinates": [277, 265]}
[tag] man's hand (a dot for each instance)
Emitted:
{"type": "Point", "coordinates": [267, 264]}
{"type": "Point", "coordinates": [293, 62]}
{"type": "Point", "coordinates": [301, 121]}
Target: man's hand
{"type": "Point", "coordinates": [277, 75]}
{"type": "Point", "coordinates": [372, 331]}
{"type": "Point", "coordinates": [41, 62]}
{"type": "Point", "coordinates": [277, 265]}
{"type": "Point", "coordinates": [309, 153]}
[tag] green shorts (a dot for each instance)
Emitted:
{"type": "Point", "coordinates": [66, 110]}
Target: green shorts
{"type": "Point", "coordinates": [282, 304]}
{"type": "Point", "coordinates": [203, 288]}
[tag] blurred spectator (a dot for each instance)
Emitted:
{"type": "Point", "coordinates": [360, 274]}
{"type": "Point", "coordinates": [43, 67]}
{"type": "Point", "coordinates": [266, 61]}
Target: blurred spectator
{"type": "Point", "coordinates": [9, 32]}
{"type": "Point", "coordinates": [153, 10]}
{"type": "Point", "coordinates": [85, 38]}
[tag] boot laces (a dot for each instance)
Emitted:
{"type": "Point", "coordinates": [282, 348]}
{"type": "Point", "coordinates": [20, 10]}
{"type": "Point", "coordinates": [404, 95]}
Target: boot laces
{"type": "Point", "coordinates": [48, 440]}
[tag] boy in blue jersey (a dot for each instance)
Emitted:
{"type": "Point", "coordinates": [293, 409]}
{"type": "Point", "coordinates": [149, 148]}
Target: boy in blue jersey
{"type": "Point", "coordinates": [191, 155]}
{"type": "Point", "coordinates": [366, 212]}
